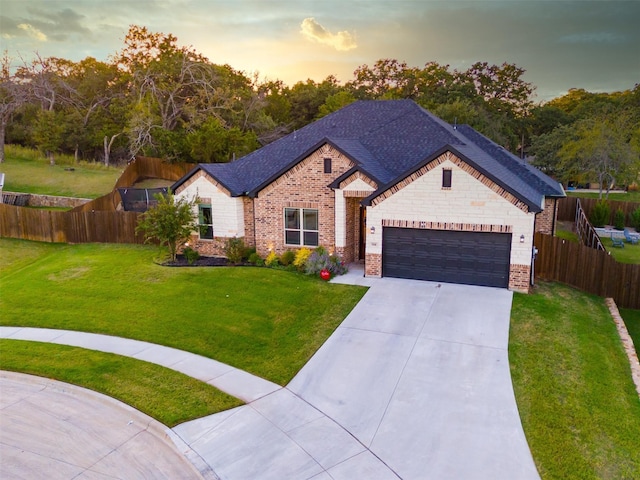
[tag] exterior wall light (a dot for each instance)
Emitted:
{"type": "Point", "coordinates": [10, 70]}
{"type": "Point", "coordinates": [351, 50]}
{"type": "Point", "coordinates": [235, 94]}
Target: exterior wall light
{"type": "Point", "coordinates": [373, 230]}
{"type": "Point", "coordinates": [521, 238]}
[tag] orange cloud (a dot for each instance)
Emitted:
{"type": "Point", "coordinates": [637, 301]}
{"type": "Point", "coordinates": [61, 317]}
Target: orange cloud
{"type": "Point", "coordinates": [316, 32]}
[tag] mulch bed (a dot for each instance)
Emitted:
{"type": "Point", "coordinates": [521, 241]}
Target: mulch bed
{"type": "Point", "coordinates": [200, 262]}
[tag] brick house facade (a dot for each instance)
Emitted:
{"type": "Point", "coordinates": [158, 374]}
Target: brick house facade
{"type": "Point", "coordinates": [335, 185]}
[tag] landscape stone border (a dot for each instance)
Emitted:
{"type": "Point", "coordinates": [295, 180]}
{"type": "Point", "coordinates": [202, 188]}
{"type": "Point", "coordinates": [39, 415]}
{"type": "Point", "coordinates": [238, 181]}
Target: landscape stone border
{"type": "Point", "coordinates": [627, 342]}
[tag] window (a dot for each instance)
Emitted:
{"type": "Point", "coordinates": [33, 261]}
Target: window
{"type": "Point", "coordinates": [327, 165]}
{"type": "Point", "coordinates": [446, 178]}
{"type": "Point", "coordinates": [301, 227]}
{"type": "Point", "coordinates": [205, 221]}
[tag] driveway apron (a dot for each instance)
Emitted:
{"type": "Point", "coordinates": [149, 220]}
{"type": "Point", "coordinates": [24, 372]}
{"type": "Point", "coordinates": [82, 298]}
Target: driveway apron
{"type": "Point", "coordinates": [414, 384]}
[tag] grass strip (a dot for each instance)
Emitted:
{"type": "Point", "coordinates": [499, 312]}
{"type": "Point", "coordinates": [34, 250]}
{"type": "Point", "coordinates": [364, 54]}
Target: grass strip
{"type": "Point", "coordinates": [166, 395]}
{"type": "Point", "coordinates": [268, 322]}
{"type": "Point", "coordinates": [572, 380]}
{"type": "Point", "coordinates": [630, 253]}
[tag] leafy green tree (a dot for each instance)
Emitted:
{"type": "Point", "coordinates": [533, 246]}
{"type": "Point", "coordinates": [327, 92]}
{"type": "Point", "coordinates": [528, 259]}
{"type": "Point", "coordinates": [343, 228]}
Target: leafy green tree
{"type": "Point", "coordinates": [335, 102]}
{"type": "Point", "coordinates": [601, 147]}
{"type": "Point", "coordinates": [170, 222]}
{"type": "Point", "coordinates": [48, 133]}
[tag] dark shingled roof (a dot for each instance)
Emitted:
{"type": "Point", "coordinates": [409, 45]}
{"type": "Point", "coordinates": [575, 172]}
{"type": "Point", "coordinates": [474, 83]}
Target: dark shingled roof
{"type": "Point", "coordinates": [387, 140]}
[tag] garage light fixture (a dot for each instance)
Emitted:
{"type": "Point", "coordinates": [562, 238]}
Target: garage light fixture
{"type": "Point", "coordinates": [373, 230]}
{"type": "Point", "coordinates": [521, 238]}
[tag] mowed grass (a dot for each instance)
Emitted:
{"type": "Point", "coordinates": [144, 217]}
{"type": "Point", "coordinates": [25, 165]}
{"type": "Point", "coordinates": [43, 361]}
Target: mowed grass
{"type": "Point", "coordinates": [633, 196]}
{"type": "Point", "coordinates": [166, 395]}
{"type": "Point", "coordinates": [268, 322]}
{"type": "Point", "coordinates": [27, 171]}
{"type": "Point", "coordinates": [573, 385]}
{"type": "Point", "coordinates": [630, 253]}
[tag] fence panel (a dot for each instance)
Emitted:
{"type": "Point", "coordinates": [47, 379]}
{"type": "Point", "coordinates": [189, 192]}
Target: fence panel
{"type": "Point", "coordinates": [141, 167]}
{"type": "Point", "coordinates": [588, 269]}
{"type": "Point", "coordinates": [567, 208]}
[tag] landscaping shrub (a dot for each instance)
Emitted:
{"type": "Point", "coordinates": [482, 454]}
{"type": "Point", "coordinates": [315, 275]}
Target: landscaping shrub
{"type": "Point", "coordinates": [272, 260]}
{"type": "Point", "coordinates": [635, 219]}
{"type": "Point", "coordinates": [618, 219]}
{"type": "Point", "coordinates": [235, 250]}
{"type": "Point", "coordinates": [320, 260]}
{"type": "Point", "coordinates": [301, 258]}
{"type": "Point", "coordinates": [287, 258]}
{"type": "Point", "coordinates": [600, 214]}
{"type": "Point", "coordinates": [255, 259]}
{"type": "Point", "coordinates": [191, 255]}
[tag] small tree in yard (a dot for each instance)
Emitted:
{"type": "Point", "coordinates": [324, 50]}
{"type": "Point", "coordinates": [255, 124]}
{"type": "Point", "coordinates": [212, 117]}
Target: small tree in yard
{"type": "Point", "coordinates": [170, 222]}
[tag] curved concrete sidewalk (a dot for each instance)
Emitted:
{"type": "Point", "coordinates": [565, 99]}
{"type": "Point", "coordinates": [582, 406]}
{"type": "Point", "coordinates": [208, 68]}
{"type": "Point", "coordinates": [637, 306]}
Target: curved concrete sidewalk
{"type": "Point", "coordinates": [233, 381]}
{"type": "Point", "coordinates": [50, 429]}
{"type": "Point", "coordinates": [415, 383]}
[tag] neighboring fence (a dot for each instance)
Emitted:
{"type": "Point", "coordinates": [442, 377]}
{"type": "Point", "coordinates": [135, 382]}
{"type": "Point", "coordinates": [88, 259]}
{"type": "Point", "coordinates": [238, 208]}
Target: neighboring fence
{"type": "Point", "coordinates": [95, 221]}
{"type": "Point", "coordinates": [68, 227]}
{"type": "Point", "coordinates": [584, 229]}
{"type": "Point", "coordinates": [567, 208]}
{"type": "Point", "coordinates": [588, 269]}
{"type": "Point", "coordinates": [141, 167]}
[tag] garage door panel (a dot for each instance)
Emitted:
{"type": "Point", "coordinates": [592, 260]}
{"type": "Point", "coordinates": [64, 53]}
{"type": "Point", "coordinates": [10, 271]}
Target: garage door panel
{"type": "Point", "coordinates": [476, 258]}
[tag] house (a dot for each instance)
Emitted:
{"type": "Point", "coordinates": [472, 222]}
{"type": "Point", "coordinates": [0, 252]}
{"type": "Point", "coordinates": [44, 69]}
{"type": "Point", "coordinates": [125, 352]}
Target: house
{"type": "Point", "coordinates": [387, 183]}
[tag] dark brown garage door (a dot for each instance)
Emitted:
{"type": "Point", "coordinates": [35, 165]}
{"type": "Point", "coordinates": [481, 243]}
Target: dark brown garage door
{"type": "Point", "coordinates": [472, 258]}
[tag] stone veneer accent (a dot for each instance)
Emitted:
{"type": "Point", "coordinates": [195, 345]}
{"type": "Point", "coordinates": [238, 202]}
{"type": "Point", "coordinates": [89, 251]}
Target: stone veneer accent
{"type": "Point", "coordinates": [520, 278]}
{"type": "Point", "coordinates": [463, 166]}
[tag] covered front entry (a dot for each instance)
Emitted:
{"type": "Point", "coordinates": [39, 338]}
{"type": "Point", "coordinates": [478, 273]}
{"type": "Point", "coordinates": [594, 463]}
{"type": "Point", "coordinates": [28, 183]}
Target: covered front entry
{"type": "Point", "coordinates": [472, 258]}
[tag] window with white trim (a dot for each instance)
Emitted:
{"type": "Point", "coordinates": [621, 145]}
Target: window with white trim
{"type": "Point", "coordinates": [205, 221]}
{"type": "Point", "coordinates": [301, 227]}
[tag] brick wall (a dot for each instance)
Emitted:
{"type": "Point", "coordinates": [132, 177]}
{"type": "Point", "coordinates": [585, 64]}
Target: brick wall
{"type": "Point", "coordinates": [249, 225]}
{"type": "Point", "coordinates": [545, 220]}
{"type": "Point", "coordinates": [520, 278]}
{"type": "Point", "coordinates": [208, 248]}
{"type": "Point", "coordinates": [303, 186]}
{"type": "Point", "coordinates": [373, 265]}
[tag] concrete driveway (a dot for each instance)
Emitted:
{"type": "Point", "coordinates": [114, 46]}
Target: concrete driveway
{"type": "Point", "coordinates": [414, 384]}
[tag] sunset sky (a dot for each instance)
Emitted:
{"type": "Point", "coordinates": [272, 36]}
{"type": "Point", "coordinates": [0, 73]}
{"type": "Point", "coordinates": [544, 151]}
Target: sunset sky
{"type": "Point", "coordinates": [593, 45]}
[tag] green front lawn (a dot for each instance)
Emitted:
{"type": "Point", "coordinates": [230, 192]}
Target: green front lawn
{"type": "Point", "coordinates": [572, 381]}
{"type": "Point", "coordinates": [27, 171]}
{"type": "Point", "coordinates": [268, 322]}
{"type": "Point", "coordinates": [166, 395]}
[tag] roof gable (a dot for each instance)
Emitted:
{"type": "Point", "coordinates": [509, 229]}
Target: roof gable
{"type": "Point", "coordinates": [387, 140]}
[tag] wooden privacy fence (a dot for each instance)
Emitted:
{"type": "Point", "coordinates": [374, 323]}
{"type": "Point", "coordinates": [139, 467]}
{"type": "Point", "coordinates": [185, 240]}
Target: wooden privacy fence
{"type": "Point", "coordinates": [141, 167]}
{"type": "Point", "coordinates": [68, 227]}
{"type": "Point", "coordinates": [567, 208]}
{"type": "Point", "coordinates": [588, 269]}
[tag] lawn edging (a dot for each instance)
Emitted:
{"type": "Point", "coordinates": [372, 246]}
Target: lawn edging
{"type": "Point", "coordinates": [627, 343]}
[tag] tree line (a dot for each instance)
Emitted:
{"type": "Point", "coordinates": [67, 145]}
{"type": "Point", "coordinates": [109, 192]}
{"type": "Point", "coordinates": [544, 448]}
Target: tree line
{"type": "Point", "coordinates": [155, 97]}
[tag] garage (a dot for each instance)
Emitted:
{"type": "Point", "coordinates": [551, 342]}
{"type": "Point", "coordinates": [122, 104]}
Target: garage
{"type": "Point", "coordinates": [472, 258]}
